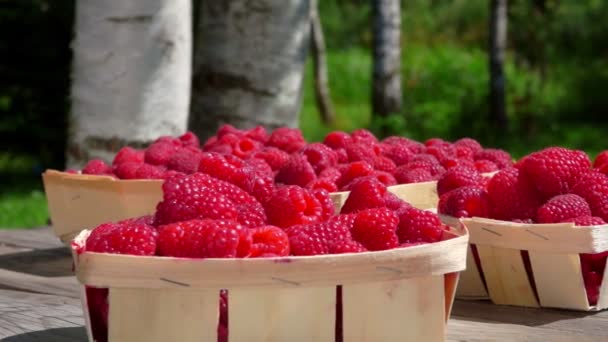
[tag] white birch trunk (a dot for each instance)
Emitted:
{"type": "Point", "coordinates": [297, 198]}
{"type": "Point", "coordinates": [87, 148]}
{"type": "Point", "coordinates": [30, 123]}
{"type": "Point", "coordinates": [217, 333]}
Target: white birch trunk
{"type": "Point", "coordinates": [249, 63]}
{"type": "Point", "coordinates": [130, 75]}
{"type": "Point", "coordinates": [497, 46]}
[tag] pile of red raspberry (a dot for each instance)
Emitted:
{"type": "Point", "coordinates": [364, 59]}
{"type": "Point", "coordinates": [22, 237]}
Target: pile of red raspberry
{"type": "Point", "coordinates": [549, 186]}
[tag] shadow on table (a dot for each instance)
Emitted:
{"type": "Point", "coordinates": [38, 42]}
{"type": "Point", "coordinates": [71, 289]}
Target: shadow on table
{"type": "Point", "coordinates": [51, 262]}
{"type": "Point", "coordinates": [75, 334]}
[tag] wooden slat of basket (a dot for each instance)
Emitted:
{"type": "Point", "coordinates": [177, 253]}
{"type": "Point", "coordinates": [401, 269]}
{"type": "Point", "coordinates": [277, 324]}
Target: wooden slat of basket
{"type": "Point", "coordinates": [471, 285]}
{"type": "Point", "coordinates": [401, 310]}
{"type": "Point", "coordinates": [276, 315]}
{"type": "Point", "coordinates": [506, 276]}
{"type": "Point", "coordinates": [559, 280]}
{"type": "Point", "coordinates": [602, 302]}
{"type": "Point", "coordinates": [163, 315]}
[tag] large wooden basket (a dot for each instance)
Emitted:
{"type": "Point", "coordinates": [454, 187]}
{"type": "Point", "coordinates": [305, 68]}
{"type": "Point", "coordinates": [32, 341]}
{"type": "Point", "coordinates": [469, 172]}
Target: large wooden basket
{"type": "Point", "coordinates": [396, 295]}
{"type": "Point", "coordinates": [78, 202]}
{"type": "Point", "coordinates": [553, 251]}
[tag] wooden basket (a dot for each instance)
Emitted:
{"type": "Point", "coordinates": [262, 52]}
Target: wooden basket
{"type": "Point", "coordinates": [77, 202]}
{"type": "Point", "coordinates": [553, 251]}
{"type": "Point", "coordinates": [420, 195]}
{"type": "Point", "coordinates": [396, 295]}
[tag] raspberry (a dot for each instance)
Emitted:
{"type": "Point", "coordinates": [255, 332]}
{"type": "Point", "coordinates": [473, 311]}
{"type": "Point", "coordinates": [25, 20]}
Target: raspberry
{"type": "Point", "coordinates": [244, 147]}
{"type": "Point", "coordinates": [185, 160]}
{"type": "Point", "coordinates": [440, 152]}
{"type": "Point", "coordinates": [346, 246]}
{"type": "Point", "coordinates": [159, 153]}
{"type": "Point", "coordinates": [272, 156]}
{"type": "Point", "coordinates": [204, 239]}
{"type": "Point", "coordinates": [601, 159]}
{"type": "Point", "coordinates": [353, 171]}
{"type": "Point", "coordinates": [190, 139]}
{"type": "Point", "coordinates": [165, 139]}
{"type": "Point", "coordinates": [457, 177]}
{"type": "Point", "coordinates": [360, 152]}
{"type": "Point", "coordinates": [393, 202]}
{"type": "Point", "coordinates": [97, 302]}
{"type": "Point", "coordinates": [148, 220]}
{"type": "Point", "coordinates": [404, 175]}
{"type": "Point", "coordinates": [555, 170]}
{"type": "Point", "coordinates": [322, 183]}
{"type": "Point", "coordinates": [269, 240]}
{"type": "Point", "coordinates": [384, 177]}
{"type": "Point", "coordinates": [287, 139]}
{"type": "Point", "coordinates": [484, 166]}
{"type": "Point", "coordinates": [414, 146]}
{"type": "Point", "coordinates": [257, 184]}
{"type": "Point", "coordinates": [461, 152]}
{"type": "Point", "coordinates": [362, 135]}
{"type": "Point", "coordinates": [338, 139]}
{"type": "Point", "coordinates": [376, 229]}
{"type": "Point", "coordinates": [384, 164]}
{"type": "Point", "coordinates": [260, 166]}
{"type": "Point", "coordinates": [365, 193]}
{"type": "Point", "coordinates": [466, 201]}
{"type": "Point", "coordinates": [320, 156]}
{"type": "Point", "coordinates": [586, 220]}
{"type": "Point", "coordinates": [297, 171]}
{"type": "Point", "coordinates": [97, 167]}
{"type": "Point", "coordinates": [512, 196]}
{"type": "Point", "coordinates": [327, 204]}
{"type": "Point", "coordinates": [221, 167]}
{"type": "Point", "coordinates": [128, 154]}
{"type": "Point", "coordinates": [562, 208]}
{"type": "Point", "coordinates": [331, 174]}
{"type": "Point", "coordinates": [123, 238]}
{"type": "Point", "coordinates": [171, 173]}
{"type": "Point", "coordinates": [450, 163]}
{"type": "Point", "coordinates": [427, 162]}
{"type": "Point", "coordinates": [399, 154]}
{"type": "Point", "coordinates": [341, 155]}
{"type": "Point", "coordinates": [469, 143]}
{"type": "Point", "coordinates": [258, 133]}
{"type": "Point", "coordinates": [417, 225]}
{"type": "Point", "coordinates": [291, 205]}
{"type": "Point", "coordinates": [603, 169]}
{"type": "Point", "coordinates": [592, 281]}
{"type": "Point", "coordinates": [316, 239]}
{"type": "Point", "coordinates": [212, 141]}
{"type": "Point", "coordinates": [593, 187]}
{"type": "Point", "coordinates": [147, 171]}
{"type": "Point", "coordinates": [499, 157]}
{"type": "Point", "coordinates": [251, 215]}
{"type": "Point", "coordinates": [127, 170]}
{"type": "Point", "coordinates": [436, 142]}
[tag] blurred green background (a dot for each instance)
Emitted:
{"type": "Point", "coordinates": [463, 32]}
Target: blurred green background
{"type": "Point", "coordinates": [556, 67]}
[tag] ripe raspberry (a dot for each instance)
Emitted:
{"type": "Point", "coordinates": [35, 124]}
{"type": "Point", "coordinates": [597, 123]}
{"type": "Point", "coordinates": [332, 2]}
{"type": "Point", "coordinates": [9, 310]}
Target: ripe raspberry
{"type": "Point", "coordinates": [555, 170]}
{"type": "Point", "coordinates": [273, 156]}
{"type": "Point", "coordinates": [384, 164]}
{"type": "Point", "coordinates": [346, 246]}
{"type": "Point", "coordinates": [376, 229]}
{"type": "Point", "coordinates": [226, 129]}
{"type": "Point", "coordinates": [123, 238]}
{"type": "Point", "coordinates": [97, 302]}
{"type": "Point", "coordinates": [185, 159]}
{"type": "Point", "coordinates": [258, 133]}
{"type": "Point", "coordinates": [466, 201]}
{"type": "Point", "coordinates": [269, 240]}
{"type": "Point", "coordinates": [586, 220]}
{"type": "Point", "coordinates": [168, 140]}
{"type": "Point", "coordinates": [322, 183]}
{"type": "Point", "coordinates": [485, 166]}
{"type": "Point", "coordinates": [204, 239]}
{"type": "Point", "coordinates": [362, 135]}
{"type": "Point", "coordinates": [147, 171]}
{"type": "Point", "coordinates": [212, 141]}
{"type": "Point", "coordinates": [251, 215]}
{"type": "Point", "coordinates": [287, 139]}
{"type": "Point", "coordinates": [404, 175]}
{"type": "Point", "coordinates": [601, 159]}
{"type": "Point", "coordinates": [399, 154]}
{"type": "Point", "coordinates": [316, 239]}
{"type": "Point", "coordinates": [337, 139]}
{"type": "Point", "coordinates": [499, 157]}
{"type": "Point", "coordinates": [414, 146]}
{"type": "Point", "coordinates": [457, 177]}
{"type": "Point", "coordinates": [393, 202]}
{"type": "Point", "coordinates": [291, 205]}
{"type": "Point", "coordinates": [245, 147]}
{"type": "Point", "coordinates": [365, 193]}
{"type": "Point", "coordinates": [342, 155]}
{"type": "Point", "coordinates": [159, 153]}
{"type": "Point", "coordinates": [512, 196]}
{"type": "Point", "coordinates": [127, 170]}
{"type": "Point", "coordinates": [190, 139]}
{"type": "Point", "coordinates": [97, 167]}
{"type": "Point", "coordinates": [331, 174]}
{"type": "Point", "coordinates": [255, 183]}
{"type": "Point", "coordinates": [470, 144]}
{"type": "Point", "coordinates": [128, 154]}
{"type": "Point", "coordinates": [593, 187]}
{"type": "Point", "coordinates": [417, 225]}
{"type": "Point", "coordinates": [592, 281]}
{"type": "Point", "coordinates": [452, 163]}
{"type": "Point", "coordinates": [361, 152]}
{"type": "Point", "coordinates": [320, 156]}
{"type": "Point", "coordinates": [260, 166]}
{"type": "Point", "coordinates": [603, 169]}
{"type": "Point", "coordinates": [297, 171]}
{"type": "Point", "coordinates": [427, 162]}
{"type": "Point", "coordinates": [221, 167]}
{"type": "Point", "coordinates": [440, 152]}
{"type": "Point", "coordinates": [353, 171]}
{"type": "Point", "coordinates": [327, 204]}
{"type": "Point", "coordinates": [562, 208]}
{"type": "Point", "coordinates": [384, 177]}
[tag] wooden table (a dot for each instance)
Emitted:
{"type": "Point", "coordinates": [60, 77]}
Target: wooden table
{"type": "Point", "coordinates": [39, 302]}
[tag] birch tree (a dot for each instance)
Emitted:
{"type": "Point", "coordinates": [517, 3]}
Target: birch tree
{"type": "Point", "coordinates": [497, 44]}
{"type": "Point", "coordinates": [130, 75]}
{"type": "Point", "coordinates": [249, 63]}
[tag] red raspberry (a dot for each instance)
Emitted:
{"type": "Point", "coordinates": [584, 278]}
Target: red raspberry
{"type": "Point", "coordinates": [185, 159]}
{"type": "Point", "coordinates": [260, 166]}
{"type": "Point", "coordinates": [97, 302]}
{"type": "Point", "coordinates": [128, 154]}
{"type": "Point", "coordinates": [342, 155]}
{"type": "Point", "coordinates": [322, 183]}
{"type": "Point", "coordinates": [346, 246]}
{"type": "Point", "coordinates": [603, 169]}
{"type": "Point", "coordinates": [190, 139]}
{"type": "Point", "coordinates": [555, 170]}
{"type": "Point", "coordinates": [586, 221]}
{"type": "Point", "coordinates": [412, 145]}
{"type": "Point", "coordinates": [147, 171]}
{"type": "Point", "coordinates": [399, 154]}
{"type": "Point", "coordinates": [361, 152]}
{"type": "Point", "coordinates": [127, 170]}
{"type": "Point", "coordinates": [452, 163]}
{"type": "Point", "coordinates": [226, 168]}
{"type": "Point", "coordinates": [212, 141]}
{"type": "Point", "coordinates": [147, 220]}
{"type": "Point", "coordinates": [404, 175]}
{"type": "Point", "coordinates": [337, 139]}
{"type": "Point", "coordinates": [593, 187]}
{"type": "Point", "coordinates": [269, 240]}
{"type": "Point", "coordinates": [427, 162]}
{"type": "Point", "coordinates": [320, 156]}
{"type": "Point", "coordinates": [97, 167]}
{"type": "Point", "coordinates": [562, 208]}
{"type": "Point", "coordinates": [466, 201]}
{"type": "Point", "coordinates": [393, 202]}
{"type": "Point", "coordinates": [327, 204]}
{"type": "Point", "coordinates": [417, 225]}
{"type": "Point", "coordinates": [441, 152]}
{"type": "Point", "coordinates": [273, 156]}
{"type": "Point", "coordinates": [384, 164]}
{"type": "Point", "coordinates": [457, 177]}
{"type": "Point", "coordinates": [365, 193]}
{"type": "Point", "coordinates": [287, 139]}
{"type": "Point", "coordinates": [592, 281]}
{"type": "Point", "coordinates": [316, 239]}
{"type": "Point", "coordinates": [258, 133]}
{"type": "Point", "coordinates": [485, 166]}
{"type": "Point", "coordinates": [297, 171]}
{"type": "Point", "coordinates": [245, 147]}
{"type": "Point", "coordinates": [291, 205]}
{"type": "Point", "coordinates": [436, 142]}
{"type": "Point", "coordinates": [384, 177]}
{"type": "Point", "coordinates": [159, 153]}
{"type": "Point", "coordinates": [461, 152]}
{"type": "Point", "coordinates": [362, 135]}
{"type": "Point", "coordinates": [499, 157]}
{"type": "Point", "coordinates": [204, 239]}
{"type": "Point", "coordinates": [331, 174]}
{"type": "Point", "coordinates": [123, 238]}
{"type": "Point", "coordinates": [376, 229]}
{"type": "Point", "coordinates": [257, 184]}
{"type": "Point", "coordinates": [601, 159]}
{"type": "Point", "coordinates": [228, 129]}
{"type": "Point", "coordinates": [470, 144]}
{"type": "Point", "coordinates": [251, 215]}
{"type": "Point", "coordinates": [353, 171]}
{"type": "Point", "coordinates": [165, 139]}
{"type": "Point", "coordinates": [512, 196]}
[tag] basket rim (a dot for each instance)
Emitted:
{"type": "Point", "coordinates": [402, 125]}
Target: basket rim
{"type": "Point", "coordinates": [62, 175]}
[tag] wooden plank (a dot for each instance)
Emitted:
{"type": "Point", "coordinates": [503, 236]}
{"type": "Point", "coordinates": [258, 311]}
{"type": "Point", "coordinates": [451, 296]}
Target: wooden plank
{"type": "Point", "coordinates": [34, 238]}
{"type": "Point", "coordinates": [53, 262]}
{"type": "Point", "coordinates": [401, 310]}
{"type": "Point", "coordinates": [275, 315]}
{"type": "Point", "coordinates": [61, 286]}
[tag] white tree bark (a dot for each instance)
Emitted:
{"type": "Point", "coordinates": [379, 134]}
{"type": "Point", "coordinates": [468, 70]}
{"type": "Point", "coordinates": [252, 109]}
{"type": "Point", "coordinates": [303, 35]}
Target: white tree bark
{"type": "Point", "coordinates": [497, 46]}
{"type": "Point", "coordinates": [130, 75]}
{"type": "Point", "coordinates": [249, 63]}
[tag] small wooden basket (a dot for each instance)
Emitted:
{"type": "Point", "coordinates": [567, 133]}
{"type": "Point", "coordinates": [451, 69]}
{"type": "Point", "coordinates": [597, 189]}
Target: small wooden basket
{"type": "Point", "coordinates": [396, 295]}
{"type": "Point", "coordinates": [553, 251]}
{"type": "Point", "coordinates": [78, 202]}
{"type": "Point", "coordinates": [420, 195]}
